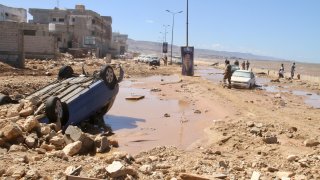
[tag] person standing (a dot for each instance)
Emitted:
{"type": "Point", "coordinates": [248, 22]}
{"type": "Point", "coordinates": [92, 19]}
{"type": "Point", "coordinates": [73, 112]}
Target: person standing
{"type": "Point", "coordinates": [227, 74]}
{"type": "Point", "coordinates": [236, 62]}
{"type": "Point", "coordinates": [293, 67]}
{"type": "Point", "coordinates": [165, 60]}
{"type": "Point", "coordinates": [248, 65]}
{"type": "Point", "coordinates": [243, 65]}
{"type": "Point", "coordinates": [281, 71]}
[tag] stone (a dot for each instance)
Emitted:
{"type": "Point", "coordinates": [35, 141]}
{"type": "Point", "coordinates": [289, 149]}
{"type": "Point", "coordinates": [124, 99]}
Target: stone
{"type": "Point", "coordinates": [272, 169]}
{"type": "Point", "coordinates": [146, 169]}
{"type": "Point", "coordinates": [32, 174]}
{"type": "Point", "coordinates": [185, 176]}
{"type": "Point", "coordinates": [311, 142]}
{"type": "Point", "coordinates": [47, 147]}
{"type": "Point", "coordinates": [113, 143]}
{"type": "Point", "coordinates": [41, 150]}
{"type": "Point", "coordinates": [98, 172]}
{"type": "Point", "coordinates": [119, 155]}
{"type": "Point", "coordinates": [48, 73]}
{"type": "Point", "coordinates": [58, 142]}
{"type": "Point", "coordinates": [153, 158]}
{"type": "Point", "coordinates": [255, 175]}
{"type": "Point", "coordinates": [58, 154]}
{"type": "Point", "coordinates": [197, 112]}
{"type": "Point", "coordinates": [256, 131]}
{"type": "Point", "coordinates": [73, 170]}
{"type": "Point", "coordinates": [277, 96]}
{"type": "Point", "coordinates": [14, 110]}
{"type": "Point", "coordinates": [270, 139]}
{"type": "Point", "coordinates": [30, 123]}
{"type": "Point", "coordinates": [30, 141]}
{"type": "Point", "coordinates": [166, 115]}
{"type": "Point", "coordinates": [11, 131]}
{"type": "Point", "coordinates": [26, 112]}
{"type": "Point", "coordinates": [17, 148]}
{"type": "Point", "coordinates": [282, 174]}
{"type": "Point", "coordinates": [102, 144]}
{"type": "Point", "coordinates": [75, 134]}
{"type": "Point", "coordinates": [73, 148]}
{"type": "Point", "coordinates": [44, 130]}
{"type": "Point", "coordinates": [250, 124]}
{"type": "Point", "coordinates": [114, 168]}
{"type": "Point", "coordinates": [292, 158]}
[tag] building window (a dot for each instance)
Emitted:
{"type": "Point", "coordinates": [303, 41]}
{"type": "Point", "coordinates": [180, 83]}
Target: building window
{"type": "Point", "coordinates": [29, 32]}
{"type": "Point", "coordinates": [54, 19]}
{"type": "Point", "coordinates": [6, 14]}
{"type": "Point", "coordinates": [61, 20]}
{"type": "Point", "coordinates": [73, 19]}
{"type": "Point", "coordinates": [59, 39]}
{"type": "Point", "coordinates": [93, 21]}
{"type": "Point", "coordinates": [93, 33]}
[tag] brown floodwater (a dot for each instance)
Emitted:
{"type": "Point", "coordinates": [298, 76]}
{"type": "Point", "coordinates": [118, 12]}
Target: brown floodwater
{"type": "Point", "coordinates": [141, 125]}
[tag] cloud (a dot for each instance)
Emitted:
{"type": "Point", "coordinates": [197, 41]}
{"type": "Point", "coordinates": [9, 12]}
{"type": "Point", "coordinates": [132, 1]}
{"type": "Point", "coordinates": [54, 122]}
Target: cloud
{"type": "Point", "coordinates": [149, 21]}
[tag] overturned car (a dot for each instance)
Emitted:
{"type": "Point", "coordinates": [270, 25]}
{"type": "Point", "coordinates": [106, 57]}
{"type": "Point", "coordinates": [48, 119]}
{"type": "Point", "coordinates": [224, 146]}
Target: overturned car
{"type": "Point", "coordinates": [74, 98]}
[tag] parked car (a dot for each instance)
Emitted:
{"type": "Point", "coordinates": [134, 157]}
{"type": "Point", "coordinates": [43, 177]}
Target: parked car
{"type": "Point", "coordinates": [234, 68]}
{"type": "Point", "coordinates": [154, 61]}
{"type": "Point", "coordinates": [243, 78]}
{"type": "Point", "coordinates": [73, 98]}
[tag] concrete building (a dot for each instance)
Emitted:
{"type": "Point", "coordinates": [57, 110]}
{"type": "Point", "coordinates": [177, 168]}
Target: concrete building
{"type": "Point", "coordinates": [119, 44]}
{"type": "Point", "coordinates": [12, 14]}
{"type": "Point", "coordinates": [76, 28]}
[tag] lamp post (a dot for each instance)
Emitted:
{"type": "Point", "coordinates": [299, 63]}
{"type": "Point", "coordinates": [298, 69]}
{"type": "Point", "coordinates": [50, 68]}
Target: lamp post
{"type": "Point", "coordinates": [173, 14]}
{"type": "Point", "coordinates": [187, 23]}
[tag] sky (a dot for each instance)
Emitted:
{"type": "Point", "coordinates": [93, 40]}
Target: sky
{"type": "Point", "coordinates": [288, 29]}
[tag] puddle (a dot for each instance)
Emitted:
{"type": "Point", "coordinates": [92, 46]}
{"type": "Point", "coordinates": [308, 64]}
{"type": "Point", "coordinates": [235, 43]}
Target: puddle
{"type": "Point", "coordinates": [312, 99]}
{"type": "Point", "coordinates": [212, 74]}
{"type": "Point", "coordinates": [141, 125]}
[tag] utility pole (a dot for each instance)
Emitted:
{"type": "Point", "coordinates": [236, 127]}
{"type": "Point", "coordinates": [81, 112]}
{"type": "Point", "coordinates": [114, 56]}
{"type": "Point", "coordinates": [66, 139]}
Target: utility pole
{"type": "Point", "coordinates": [187, 23]}
{"type": "Point", "coordinates": [173, 14]}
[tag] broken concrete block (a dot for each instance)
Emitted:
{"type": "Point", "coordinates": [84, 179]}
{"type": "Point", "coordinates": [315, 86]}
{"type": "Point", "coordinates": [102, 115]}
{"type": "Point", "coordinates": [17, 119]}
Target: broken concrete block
{"type": "Point", "coordinates": [102, 144]}
{"type": "Point", "coordinates": [255, 175]}
{"type": "Point", "coordinates": [11, 131]}
{"type": "Point", "coordinates": [75, 134]}
{"type": "Point", "coordinates": [30, 123]}
{"type": "Point", "coordinates": [73, 148]}
{"type": "Point", "coordinates": [117, 169]}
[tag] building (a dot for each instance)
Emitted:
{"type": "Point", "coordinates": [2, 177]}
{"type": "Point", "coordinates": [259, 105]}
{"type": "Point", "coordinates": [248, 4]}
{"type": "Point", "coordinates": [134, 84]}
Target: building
{"type": "Point", "coordinates": [119, 44]}
{"type": "Point", "coordinates": [12, 14]}
{"type": "Point", "coordinates": [76, 28]}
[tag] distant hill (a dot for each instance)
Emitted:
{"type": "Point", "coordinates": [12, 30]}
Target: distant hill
{"type": "Point", "coordinates": [147, 47]}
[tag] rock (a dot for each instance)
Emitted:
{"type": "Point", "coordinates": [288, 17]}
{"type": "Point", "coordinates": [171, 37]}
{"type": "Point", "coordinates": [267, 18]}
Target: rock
{"type": "Point", "coordinates": [311, 142]}
{"type": "Point", "coordinates": [26, 112]}
{"type": "Point", "coordinates": [73, 148]}
{"type": "Point", "coordinates": [277, 96]}
{"type": "Point", "coordinates": [293, 129]}
{"type": "Point", "coordinates": [116, 169]}
{"type": "Point", "coordinates": [58, 142]}
{"type": "Point", "coordinates": [185, 176]}
{"type": "Point", "coordinates": [255, 175]}
{"type": "Point", "coordinates": [119, 155]}
{"type": "Point", "coordinates": [270, 139]}
{"type": "Point", "coordinates": [256, 131]}
{"type": "Point", "coordinates": [102, 144]}
{"type": "Point", "coordinates": [113, 143]}
{"type": "Point", "coordinates": [2, 172]}
{"type": "Point", "coordinates": [32, 174]}
{"type": "Point", "coordinates": [166, 115]}
{"type": "Point", "coordinates": [21, 159]}
{"type": "Point", "coordinates": [98, 172]}
{"type": "Point", "coordinates": [17, 148]}
{"type": "Point", "coordinates": [285, 174]}
{"type": "Point", "coordinates": [272, 169]}
{"type": "Point", "coordinates": [48, 73]}
{"type": "Point", "coordinates": [75, 134]}
{"type": "Point", "coordinates": [291, 158]}
{"type": "Point", "coordinates": [45, 130]}
{"type": "Point", "coordinates": [47, 147]}
{"type": "Point", "coordinates": [220, 176]}
{"type": "Point", "coordinates": [153, 158]}
{"type": "Point", "coordinates": [146, 169]}
{"type": "Point", "coordinates": [197, 112]}
{"type": "Point", "coordinates": [30, 123]}
{"type": "Point", "coordinates": [18, 173]}
{"type": "Point", "coordinates": [58, 154]}
{"type": "Point", "coordinates": [250, 124]}
{"type": "Point", "coordinates": [30, 142]}
{"type": "Point", "coordinates": [11, 131]}
{"type": "Point", "coordinates": [41, 150]}
{"type": "Point", "coordinates": [14, 110]}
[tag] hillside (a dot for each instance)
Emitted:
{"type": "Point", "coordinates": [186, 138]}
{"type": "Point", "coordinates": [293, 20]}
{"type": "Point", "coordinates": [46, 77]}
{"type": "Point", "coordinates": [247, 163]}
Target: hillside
{"type": "Point", "coordinates": [148, 47]}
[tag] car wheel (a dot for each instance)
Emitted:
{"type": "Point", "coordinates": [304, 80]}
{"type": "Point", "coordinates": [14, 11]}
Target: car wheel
{"type": "Point", "coordinates": [56, 110]}
{"type": "Point", "coordinates": [108, 76]}
{"type": "Point", "coordinates": [65, 72]}
{"type": "Point", "coordinates": [4, 99]}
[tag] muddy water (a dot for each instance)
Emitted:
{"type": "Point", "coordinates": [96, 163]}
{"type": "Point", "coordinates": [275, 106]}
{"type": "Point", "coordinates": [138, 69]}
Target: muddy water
{"type": "Point", "coordinates": [141, 125]}
{"type": "Point", "coordinates": [216, 76]}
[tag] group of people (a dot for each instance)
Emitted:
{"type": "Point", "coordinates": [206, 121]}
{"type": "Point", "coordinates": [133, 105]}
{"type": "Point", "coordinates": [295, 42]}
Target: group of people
{"type": "Point", "coordinates": [281, 70]}
{"type": "Point", "coordinates": [244, 65]}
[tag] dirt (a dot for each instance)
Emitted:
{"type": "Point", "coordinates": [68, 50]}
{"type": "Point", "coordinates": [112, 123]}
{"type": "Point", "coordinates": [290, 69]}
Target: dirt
{"type": "Point", "coordinates": [241, 132]}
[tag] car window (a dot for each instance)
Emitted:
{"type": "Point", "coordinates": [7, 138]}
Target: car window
{"type": "Point", "coordinates": [242, 74]}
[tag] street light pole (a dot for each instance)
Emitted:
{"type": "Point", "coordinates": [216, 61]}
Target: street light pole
{"type": "Point", "coordinates": [187, 23]}
{"type": "Point", "coordinates": [165, 32]}
{"type": "Point", "coordinates": [173, 14]}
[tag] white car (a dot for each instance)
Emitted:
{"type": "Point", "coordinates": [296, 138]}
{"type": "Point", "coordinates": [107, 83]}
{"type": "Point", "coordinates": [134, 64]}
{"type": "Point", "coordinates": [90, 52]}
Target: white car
{"type": "Point", "coordinates": [243, 78]}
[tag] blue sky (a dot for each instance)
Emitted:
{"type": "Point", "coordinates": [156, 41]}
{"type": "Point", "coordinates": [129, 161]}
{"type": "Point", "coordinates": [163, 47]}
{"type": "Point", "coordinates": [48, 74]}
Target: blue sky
{"type": "Point", "coordinates": [287, 29]}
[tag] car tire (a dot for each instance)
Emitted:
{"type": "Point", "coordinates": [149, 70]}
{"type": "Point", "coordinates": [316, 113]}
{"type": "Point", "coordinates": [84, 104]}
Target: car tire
{"type": "Point", "coordinates": [55, 110]}
{"type": "Point", "coordinates": [65, 116]}
{"type": "Point", "coordinates": [4, 99]}
{"type": "Point", "coordinates": [108, 76]}
{"type": "Point", "coordinates": [65, 72]}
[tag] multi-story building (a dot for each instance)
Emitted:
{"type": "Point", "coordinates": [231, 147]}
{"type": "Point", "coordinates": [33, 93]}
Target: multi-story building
{"type": "Point", "coordinates": [12, 14]}
{"type": "Point", "coordinates": [119, 44]}
{"type": "Point", "coordinates": [76, 28]}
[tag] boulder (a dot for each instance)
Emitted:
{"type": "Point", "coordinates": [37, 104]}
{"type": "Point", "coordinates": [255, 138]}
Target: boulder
{"type": "Point", "coordinates": [11, 131]}
{"type": "Point", "coordinates": [30, 123]}
{"type": "Point", "coordinates": [73, 148]}
{"type": "Point", "coordinates": [26, 112]}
